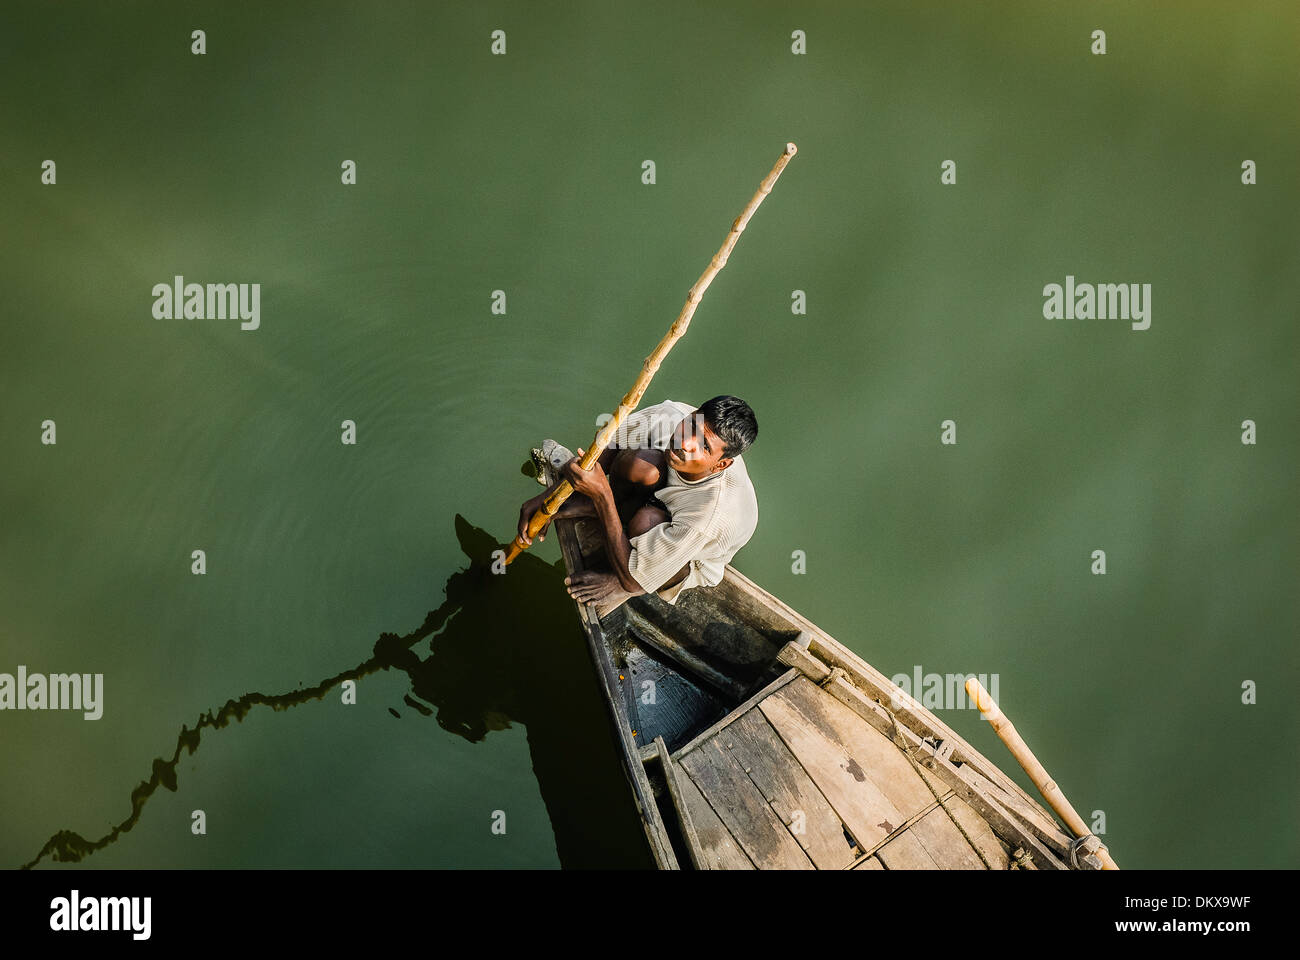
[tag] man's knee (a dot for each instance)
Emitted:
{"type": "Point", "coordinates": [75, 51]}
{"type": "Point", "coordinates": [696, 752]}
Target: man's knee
{"type": "Point", "coordinates": [646, 519]}
{"type": "Point", "coordinates": [634, 468]}
{"type": "Point", "coordinates": [643, 521]}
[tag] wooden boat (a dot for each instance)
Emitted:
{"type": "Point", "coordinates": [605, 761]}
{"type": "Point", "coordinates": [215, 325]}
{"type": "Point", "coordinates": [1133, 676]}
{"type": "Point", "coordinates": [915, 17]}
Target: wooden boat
{"type": "Point", "coordinates": [752, 739]}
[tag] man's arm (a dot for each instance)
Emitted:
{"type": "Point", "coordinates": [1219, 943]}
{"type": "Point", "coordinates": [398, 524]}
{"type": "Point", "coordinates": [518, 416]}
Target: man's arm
{"type": "Point", "coordinates": [595, 485]}
{"type": "Point", "coordinates": [663, 550]}
{"type": "Point", "coordinates": [569, 508]}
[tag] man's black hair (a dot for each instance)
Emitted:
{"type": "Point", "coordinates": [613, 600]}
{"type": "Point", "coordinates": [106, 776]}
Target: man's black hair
{"type": "Point", "coordinates": [732, 420]}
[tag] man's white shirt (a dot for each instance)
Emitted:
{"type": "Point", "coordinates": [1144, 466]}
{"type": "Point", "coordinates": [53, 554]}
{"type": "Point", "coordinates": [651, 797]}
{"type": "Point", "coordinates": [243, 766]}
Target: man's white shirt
{"type": "Point", "coordinates": [711, 519]}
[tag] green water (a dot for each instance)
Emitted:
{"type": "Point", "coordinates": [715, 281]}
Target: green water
{"type": "Point", "coordinates": [522, 173]}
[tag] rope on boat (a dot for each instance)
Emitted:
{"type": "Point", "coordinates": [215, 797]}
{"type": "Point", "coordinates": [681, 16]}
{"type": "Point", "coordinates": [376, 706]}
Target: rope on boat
{"type": "Point", "coordinates": [1088, 843]}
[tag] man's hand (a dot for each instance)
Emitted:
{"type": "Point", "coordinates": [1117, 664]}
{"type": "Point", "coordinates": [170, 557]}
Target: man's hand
{"type": "Point", "coordinates": [574, 508]}
{"type": "Point", "coordinates": [526, 515]}
{"type": "Point", "coordinates": [591, 483]}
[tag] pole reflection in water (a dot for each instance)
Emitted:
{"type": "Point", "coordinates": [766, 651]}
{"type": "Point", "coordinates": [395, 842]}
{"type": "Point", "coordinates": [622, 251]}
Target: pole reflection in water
{"type": "Point", "coordinates": [501, 648]}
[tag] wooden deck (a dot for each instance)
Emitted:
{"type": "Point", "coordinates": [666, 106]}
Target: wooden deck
{"type": "Point", "coordinates": [795, 779]}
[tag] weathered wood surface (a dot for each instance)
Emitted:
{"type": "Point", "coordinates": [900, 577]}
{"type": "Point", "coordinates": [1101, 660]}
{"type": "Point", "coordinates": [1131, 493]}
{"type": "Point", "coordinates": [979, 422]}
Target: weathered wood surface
{"type": "Point", "coordinates": [740, 711]}
{"type": "Point", "coordinates": [997, 853]}
{"type": "Point", "coordinates": [876, 684]}
{"type": "Point", "coordinates": [718, 849]}
{"type": "Point", "coordinates": [871, 755]}
{"type": "Point", "coordinates": [906, 852]}
{"type": "Point", "coordinates": [755, 780]}
{"type": "Point", "coordinates": [653, 636]}
{"type": "Point", "coordinates": [1015, 819]}
{"type": "Point", "coordinates": [859, 803]}
{"type": "Point", "coordinates": [944, 842]}
{"type": "Point", "coordinates": [879, 759]}
{"type": "Point", "coordinates": [730, 637]}
{"type": "Point", "coordinates": [743, 809]}
{"type": "Point", "coordinates": [788, 790]}
{"type": "Point", "coordinates": [672, 777]}
{"type": "Point", "coordinates": [996, 806]}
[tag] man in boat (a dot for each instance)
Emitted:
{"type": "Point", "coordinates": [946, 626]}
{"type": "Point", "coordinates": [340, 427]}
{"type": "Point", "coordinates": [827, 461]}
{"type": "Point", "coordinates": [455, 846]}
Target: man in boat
{"type": "Point", "coordinates": [672, 497]}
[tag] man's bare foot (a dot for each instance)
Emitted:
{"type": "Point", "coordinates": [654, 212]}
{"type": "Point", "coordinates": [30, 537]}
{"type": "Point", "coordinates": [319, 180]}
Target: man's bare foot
{"type": "Point", "coordinates": [595, 586]}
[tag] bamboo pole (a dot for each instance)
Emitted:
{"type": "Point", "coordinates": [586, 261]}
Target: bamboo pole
{"type": "Point", "coordinates": [547, 511]}
{"type": "Point", "coordinates": [1006, 731]}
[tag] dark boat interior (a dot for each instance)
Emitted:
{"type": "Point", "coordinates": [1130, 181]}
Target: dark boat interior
{"type": "Point", "coordinates": [683, 667]}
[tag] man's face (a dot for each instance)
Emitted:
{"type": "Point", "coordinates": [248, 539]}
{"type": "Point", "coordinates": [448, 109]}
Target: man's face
{"type": "Point", "coordinates": [694, 450]}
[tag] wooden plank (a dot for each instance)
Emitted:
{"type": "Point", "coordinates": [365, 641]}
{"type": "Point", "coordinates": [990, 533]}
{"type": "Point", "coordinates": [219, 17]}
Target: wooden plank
{"type": "Point", "coordinates": [873, 713]}
{"type": "Point", "coordinates": [867, 812]}
{"type": "Point", "coordinates": [871, 753]}
{"type": "Point", "coordinates": [652, 636]}
{"type": "Point", "coordinates": [792, 795]}
{"type": "Point", "coordinates": [734, 639]}
{"type": "Point", "coordinates": [718, 849]}
{"type": "Point", "coordinates": [944, 842]}
{"type": "Point", "coordinates": [905, 852]}
{"type": "Point", "coordinates": [871, 863]}
{"type": "Point", "coordinates": [795, 654]}
{"type": "Point", "coordinates": [986, 841]}
{"type": "Point", "coordinates": [875, 684]}
{"type": "Point", "coordinates": [983, 797]}
{"type": "Point", "coordinates": [906, 825]}
{"type": "Point", "coordinates": [740, 711]}
{"type": "Point", "coordinates": [673, 776]}
{"type": "Point", "coordinates": [743, 809]}
{"type": "Point", "coordinates": [772, 612]}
